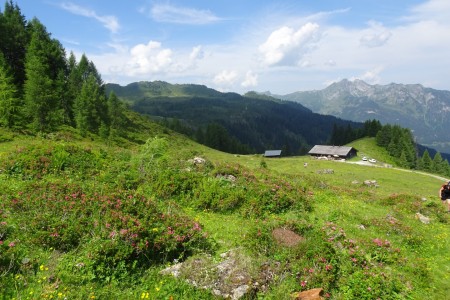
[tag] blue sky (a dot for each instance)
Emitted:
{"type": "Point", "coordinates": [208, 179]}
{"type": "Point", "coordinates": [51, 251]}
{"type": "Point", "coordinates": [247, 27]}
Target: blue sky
{"type": "Point", "coordinates": [261, 45]}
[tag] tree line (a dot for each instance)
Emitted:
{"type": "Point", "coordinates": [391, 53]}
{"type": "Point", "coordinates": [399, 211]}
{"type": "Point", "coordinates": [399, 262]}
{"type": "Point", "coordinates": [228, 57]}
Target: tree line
{"type": "Point", "coordinates": [399, 143]}
{"type": "Point", "coordinates": [41, 88]}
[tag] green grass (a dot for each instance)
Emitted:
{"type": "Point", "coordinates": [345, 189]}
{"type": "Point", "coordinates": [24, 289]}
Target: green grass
{"type": "Point", "coordinates": [107, 203]}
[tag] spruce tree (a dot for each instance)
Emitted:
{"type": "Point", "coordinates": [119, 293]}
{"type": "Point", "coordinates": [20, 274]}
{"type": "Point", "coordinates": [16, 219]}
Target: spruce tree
{"type": "Point", "coordinates": [403, 161]}
{"type": "Point", "coordinates": [437, 164]}
{"type": "Point", "coordinates": [384, 136]}
{"type": "Point", "coordinates": [40, 97]}
{"type": "Point", "coordinates": [9, 102]}
{"type": "Point", "coordinates": [14, 39]}
{"type": "Point", "coordinates": [425, 161]}
{"type": "Point", "coordinates": [89, 107]}
{"type": "Point", "coordinates": [117, 119]}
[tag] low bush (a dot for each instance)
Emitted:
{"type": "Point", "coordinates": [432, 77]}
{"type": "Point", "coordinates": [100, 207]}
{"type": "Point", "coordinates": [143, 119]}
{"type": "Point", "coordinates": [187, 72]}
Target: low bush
{"type": "Point", "coordinates": [111, 233]}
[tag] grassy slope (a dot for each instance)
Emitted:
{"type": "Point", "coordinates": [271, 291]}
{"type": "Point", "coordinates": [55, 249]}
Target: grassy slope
{"type": "Point", "coordinates": [340, 198]}
{"type": "Point", "coordinates": [350, 203]}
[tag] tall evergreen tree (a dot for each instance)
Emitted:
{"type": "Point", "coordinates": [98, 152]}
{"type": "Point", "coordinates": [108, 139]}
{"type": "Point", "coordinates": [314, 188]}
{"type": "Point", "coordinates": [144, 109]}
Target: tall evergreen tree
{"type": "Point", "coordinates": [9, 102]}
{"type": "Point", "coordinates": [117, 119]}
{"type": "Point", "coordinates": [384, 136]}
{"type": "Point", "coordinates": [371, 127]}
{"type": "Point", "coordinates": [73, 88]}
{"type": "Point", "coordinates": [438, 164]}
{"type": "Point", "coordinates": [86, 107]}
{"type": "Point", "coordinates": [14, 39]}
{"type": "Point", "coordinates": [408, 148]}
{"type": "Point", "coordinates": [40, 97]}
{"type": "Point", "coordinates": [403, 161]}
{"type": "Point", "coordinates": [426, 162]}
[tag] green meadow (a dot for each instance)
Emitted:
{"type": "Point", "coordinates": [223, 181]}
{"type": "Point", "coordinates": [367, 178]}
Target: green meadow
{"type": "Point", "coordinates": [82, 218]}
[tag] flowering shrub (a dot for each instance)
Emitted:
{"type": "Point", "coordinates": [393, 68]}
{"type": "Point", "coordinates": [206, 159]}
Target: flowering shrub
{"type": "Point", "coordinates": [35, 162]}
{"type": "Point", "coordinates": [113, 232]}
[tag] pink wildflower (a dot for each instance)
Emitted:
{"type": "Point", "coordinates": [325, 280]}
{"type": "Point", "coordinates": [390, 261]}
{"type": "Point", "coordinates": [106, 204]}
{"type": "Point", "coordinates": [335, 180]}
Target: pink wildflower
{"type": "Point", "coordinates": [196, 226]}
{"type": "Point", "coordinates": [378, 242]}
{"type": "Point", "coordinates": [303, 283]}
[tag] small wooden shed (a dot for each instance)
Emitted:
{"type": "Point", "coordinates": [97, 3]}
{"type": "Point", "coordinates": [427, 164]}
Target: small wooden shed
{"type": "Point", "coordinates": [272, 153]}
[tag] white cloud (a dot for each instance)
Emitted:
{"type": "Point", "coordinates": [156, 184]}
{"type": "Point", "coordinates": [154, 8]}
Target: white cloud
{"type": "Point", "coordinates": [286, 46]}
{"type": "Point", "coordinates": [411, 50]}
{"type": "Point", "coordinates": [306, 63]}
{"type": "Point", "coordinates": [371, 76]}
{"type": "Point", "coordinates": [149, 58]}
{"type": "Point", "coordinates": [377, 35]}
{"type": "Point", "coordinates": [437, 10]}
{"type": "Point", "coordinates": [110, 22]}
{"type": "Point", "coordinates": [251, 80]}
{"type": "Point", "coordinates": [330, 63]}
{"type": "Point", "coordinates": [225, 77]}
{"type": "Point", "coordinates": [181, 15]}
{"type": "Point", "coordinates": [197, 53]}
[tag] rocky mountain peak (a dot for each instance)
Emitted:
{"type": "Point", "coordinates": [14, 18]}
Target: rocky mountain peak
{"type": "Point", "coordinates": [425, 111]}
{"type": "Point", "coordinates": [355, 88]}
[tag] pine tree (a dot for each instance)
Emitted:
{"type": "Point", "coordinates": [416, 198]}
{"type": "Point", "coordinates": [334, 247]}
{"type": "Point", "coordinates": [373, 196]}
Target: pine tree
{"type": "Point", "coordinates": [40, 97]}
{"type": "Point", "coordinates": [371, 128]}
{"type": "Point", "coordinates": [425, 161]}
{"type": "Point", "coordinates": [90, 107]}
{"type": "Point", "coordinates": [403, 161]}
{"type": "Point", "coordinates": [384, 136]}
{"type": "Point", "coordinates": [9, 103]}
{"type": "Point", "coordinates": [117, 119]}
{"type": "Point", "coordinates": [408, 148]}
{"type": "Point", "coordinates": [14, 39]}
{"type": "Point", "coordinates": [73, 88]}
{"type": "Point", "coordinates": [437, 164]}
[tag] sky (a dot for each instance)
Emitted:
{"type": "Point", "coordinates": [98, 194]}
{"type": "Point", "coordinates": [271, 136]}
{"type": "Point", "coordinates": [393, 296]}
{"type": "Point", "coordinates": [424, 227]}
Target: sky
{"type": "Point", "coordinates": [255, 45]}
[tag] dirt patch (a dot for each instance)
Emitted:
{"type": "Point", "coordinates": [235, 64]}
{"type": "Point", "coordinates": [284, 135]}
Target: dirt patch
{"type": "Point", "coordinates": [286, 237]}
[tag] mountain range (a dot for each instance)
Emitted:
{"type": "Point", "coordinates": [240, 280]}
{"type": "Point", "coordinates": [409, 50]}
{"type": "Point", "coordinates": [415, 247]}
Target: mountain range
{"type": "Point", "coordinates": [254, 122]}
{"type": "Point", "coordinates": [425, 111]}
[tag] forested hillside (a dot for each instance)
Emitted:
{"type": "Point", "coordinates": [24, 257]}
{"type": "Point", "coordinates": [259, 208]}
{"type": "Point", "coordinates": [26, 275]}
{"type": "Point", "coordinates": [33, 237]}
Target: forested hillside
{"type": "Point", "coordinates": [231, 122]}
{"type": "Point", "coordinates": [42, 88]}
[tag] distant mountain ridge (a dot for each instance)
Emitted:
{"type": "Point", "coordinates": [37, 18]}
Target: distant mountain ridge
{"type": "Point", "coordinates": [259, 122]}
{"type": "Point", "coordinates": [137, 90]}
{"type": "Point", "coordinates": [424, 110]}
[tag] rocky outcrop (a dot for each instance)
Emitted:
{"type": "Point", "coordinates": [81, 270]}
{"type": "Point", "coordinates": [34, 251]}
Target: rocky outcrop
{"type": "Point", "coordinates": [313, 294]}
{"type": "Point", "coordinates": [236, 275]}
